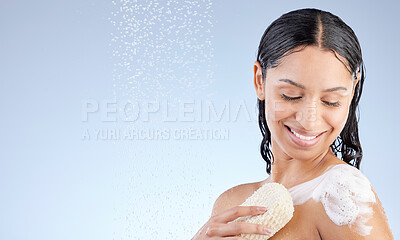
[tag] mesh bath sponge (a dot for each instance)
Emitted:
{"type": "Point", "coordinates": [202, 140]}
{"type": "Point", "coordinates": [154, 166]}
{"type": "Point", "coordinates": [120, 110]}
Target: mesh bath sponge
{"type": "Point", "coordinates": [277, 199]}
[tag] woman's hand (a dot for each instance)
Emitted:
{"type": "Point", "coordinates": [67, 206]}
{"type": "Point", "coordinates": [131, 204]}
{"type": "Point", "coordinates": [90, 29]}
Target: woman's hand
{"type": "Point", "coordinates": [220, 226]}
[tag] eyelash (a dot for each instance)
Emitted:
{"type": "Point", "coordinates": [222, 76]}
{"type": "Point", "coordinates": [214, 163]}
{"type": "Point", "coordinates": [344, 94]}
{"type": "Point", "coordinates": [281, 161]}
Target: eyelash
{"type": "Point", "coordinates": [284, 97]}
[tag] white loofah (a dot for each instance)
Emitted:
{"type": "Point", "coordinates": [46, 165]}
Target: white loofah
{"type": "Point", "coordinates": [276, 198]}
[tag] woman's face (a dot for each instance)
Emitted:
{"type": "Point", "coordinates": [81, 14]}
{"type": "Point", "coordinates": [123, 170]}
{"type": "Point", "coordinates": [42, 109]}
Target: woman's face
{"type": "Point", "coordinates": [309, 93]}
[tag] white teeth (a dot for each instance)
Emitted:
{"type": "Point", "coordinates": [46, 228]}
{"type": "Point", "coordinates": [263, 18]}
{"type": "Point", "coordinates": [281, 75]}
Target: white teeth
{"type": "Point", "coordinates": [301, 136]}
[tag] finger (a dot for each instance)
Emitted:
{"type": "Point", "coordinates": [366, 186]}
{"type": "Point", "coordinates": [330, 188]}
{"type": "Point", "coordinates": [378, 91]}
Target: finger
{"type": "Point", "coordinates": [236, 228]}
{"type": "Point", "coordinates": [235, 212]}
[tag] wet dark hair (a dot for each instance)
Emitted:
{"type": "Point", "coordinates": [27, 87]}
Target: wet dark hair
{"type": "Point", "coordinates": [314, 27]}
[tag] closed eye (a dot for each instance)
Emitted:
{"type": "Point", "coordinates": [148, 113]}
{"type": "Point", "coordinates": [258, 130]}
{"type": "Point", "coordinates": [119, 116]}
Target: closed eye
{"type": "Point", "coordinates": [286, 98]}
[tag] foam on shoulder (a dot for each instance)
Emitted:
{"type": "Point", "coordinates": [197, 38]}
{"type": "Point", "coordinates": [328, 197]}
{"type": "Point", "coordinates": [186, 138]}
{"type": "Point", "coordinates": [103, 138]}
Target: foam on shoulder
{"type": "Point", "coordinates": [345, 193]}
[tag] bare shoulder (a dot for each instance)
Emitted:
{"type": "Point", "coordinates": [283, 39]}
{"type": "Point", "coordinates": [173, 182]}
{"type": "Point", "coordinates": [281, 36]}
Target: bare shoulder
{"type": "Point", "coordinates": [379, 220]}
{"type": "Point", "coordinates": [234, 197]}
{"type": "Point", "coordinates": [374, 225]}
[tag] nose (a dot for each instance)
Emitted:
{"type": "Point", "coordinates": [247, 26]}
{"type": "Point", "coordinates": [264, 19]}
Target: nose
{"type": "Point", "coordinates": [308, 115]}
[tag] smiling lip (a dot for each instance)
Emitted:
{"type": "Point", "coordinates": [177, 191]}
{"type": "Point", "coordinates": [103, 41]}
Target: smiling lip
{"type": "Point", "coordinates": [304, 133]}
{"type": "Point", "coordinates": [302, 142]}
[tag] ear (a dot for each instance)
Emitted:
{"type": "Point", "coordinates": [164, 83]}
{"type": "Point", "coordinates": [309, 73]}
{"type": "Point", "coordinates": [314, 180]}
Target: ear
{"type": "Point", "coordinates": [355, 84]}
{"type": "Point", "coordinates": [258, 81]}
{"type": "Point", "coordinates": [356, 81]}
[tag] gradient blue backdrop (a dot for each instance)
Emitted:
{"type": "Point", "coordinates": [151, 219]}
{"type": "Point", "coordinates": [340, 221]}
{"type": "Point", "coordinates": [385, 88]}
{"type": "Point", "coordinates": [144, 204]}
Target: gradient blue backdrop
{"type": "Point", "coordinates": [58, 56]}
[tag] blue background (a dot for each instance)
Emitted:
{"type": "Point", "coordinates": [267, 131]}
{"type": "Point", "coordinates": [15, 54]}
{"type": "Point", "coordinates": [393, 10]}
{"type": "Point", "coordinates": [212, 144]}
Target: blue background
{"type": "Point", "coordinates": [56, 56]}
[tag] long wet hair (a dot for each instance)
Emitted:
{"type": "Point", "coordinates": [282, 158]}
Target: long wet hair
{"type": "Point", "coordinates": [314, 27]}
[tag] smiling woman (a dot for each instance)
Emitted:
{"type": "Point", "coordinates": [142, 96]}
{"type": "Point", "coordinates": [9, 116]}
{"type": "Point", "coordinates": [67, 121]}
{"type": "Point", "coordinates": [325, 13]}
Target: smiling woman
{"type": "Point", "coordinates": [313, 106]}
{"type": "Point", "coordinates": [308, 78]}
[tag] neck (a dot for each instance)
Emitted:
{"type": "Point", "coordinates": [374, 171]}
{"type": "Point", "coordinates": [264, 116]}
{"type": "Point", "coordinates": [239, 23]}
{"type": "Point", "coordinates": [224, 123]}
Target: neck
{"type": "Point", "coordinates": [291, 171]}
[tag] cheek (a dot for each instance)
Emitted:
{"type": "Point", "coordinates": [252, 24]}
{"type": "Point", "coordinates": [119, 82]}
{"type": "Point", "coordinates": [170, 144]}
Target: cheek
{"type": "Point", "coordinates": [276, 109]}
{"type": "Point", "coordinates": [337, 119]}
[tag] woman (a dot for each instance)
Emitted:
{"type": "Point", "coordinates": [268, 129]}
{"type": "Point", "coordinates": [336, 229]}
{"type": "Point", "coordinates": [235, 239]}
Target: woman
{"type": "Point", "coordinates": [308, 78]}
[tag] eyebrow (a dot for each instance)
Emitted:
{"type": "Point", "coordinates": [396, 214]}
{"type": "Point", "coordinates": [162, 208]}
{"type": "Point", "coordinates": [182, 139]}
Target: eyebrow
{"type": "Point", "coordinates": [303, 87]}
